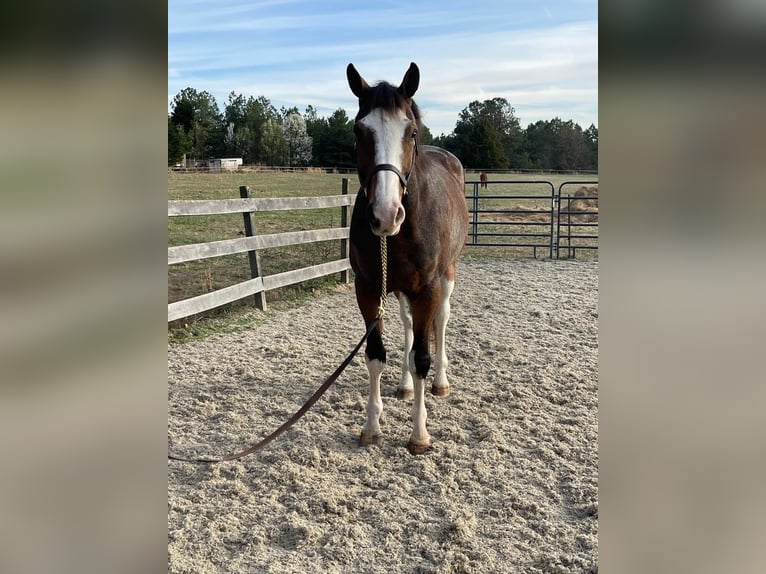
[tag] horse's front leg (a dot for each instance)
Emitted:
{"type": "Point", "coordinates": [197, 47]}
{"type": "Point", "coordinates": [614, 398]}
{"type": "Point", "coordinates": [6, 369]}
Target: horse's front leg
{"type": "Point", "coordinates": [375, 359]}
{"type": "Point", "coordinates": [423, 312]}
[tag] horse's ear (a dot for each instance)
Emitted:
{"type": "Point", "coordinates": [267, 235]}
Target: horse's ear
{"type": "Point", "coordinates": [411, 81]}
{"type": "Point", "coordinates": [355, 81]}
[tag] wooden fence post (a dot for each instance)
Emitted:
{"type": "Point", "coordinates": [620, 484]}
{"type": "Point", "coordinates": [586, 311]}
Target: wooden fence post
{"type": "Point", "coordinates": [253, 256]}
{"type": "Point", "coordinates": [344, 275]}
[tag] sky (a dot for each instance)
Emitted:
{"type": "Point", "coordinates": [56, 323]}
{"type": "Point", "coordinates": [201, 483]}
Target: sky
{"type": "Point", "coordinates": [541, 56]}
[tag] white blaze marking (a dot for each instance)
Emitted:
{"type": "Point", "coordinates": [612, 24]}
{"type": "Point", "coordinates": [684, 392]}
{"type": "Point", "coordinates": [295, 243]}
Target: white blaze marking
{"type": "Point", "coordinates": [388, 134]}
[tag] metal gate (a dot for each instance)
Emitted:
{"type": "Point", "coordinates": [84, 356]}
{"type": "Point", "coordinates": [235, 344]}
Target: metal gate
{"type": "Point", "coordinates": [526, 222]}
{"type": "Point", "coordinates": [577, 218]}
{"type": "Point", "coordinates": [531, 214]}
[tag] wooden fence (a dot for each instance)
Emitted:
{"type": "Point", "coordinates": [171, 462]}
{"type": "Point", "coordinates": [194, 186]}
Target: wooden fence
{"type": "Point", "coordinates": [258, 284]}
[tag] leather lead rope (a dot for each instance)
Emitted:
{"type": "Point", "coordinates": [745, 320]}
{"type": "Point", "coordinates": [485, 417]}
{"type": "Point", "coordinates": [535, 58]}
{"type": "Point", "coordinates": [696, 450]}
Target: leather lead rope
{"type": "Point", "coordinates": [321, 390]}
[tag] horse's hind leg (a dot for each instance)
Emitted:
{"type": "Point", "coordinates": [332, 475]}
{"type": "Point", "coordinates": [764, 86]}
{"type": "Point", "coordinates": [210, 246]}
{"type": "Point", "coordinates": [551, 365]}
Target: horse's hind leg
{"type": "Point", "coordinates": [405, 388]}
{"type": "Point", "coordinates": [440, 386]}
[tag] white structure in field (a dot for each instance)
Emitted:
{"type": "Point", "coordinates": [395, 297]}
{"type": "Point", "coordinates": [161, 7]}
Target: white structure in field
{"type": "Point", "coordinates": [225, 164]}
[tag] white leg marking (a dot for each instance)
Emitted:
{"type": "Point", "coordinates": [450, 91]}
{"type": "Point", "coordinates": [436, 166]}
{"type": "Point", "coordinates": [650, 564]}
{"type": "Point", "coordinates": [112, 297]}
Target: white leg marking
{"type": "Point", "coordinates": [442, 316]}
{"type": "Point", "coordinates": [404, 390]}
{"type": "Point", "coordinates": [371, 428]}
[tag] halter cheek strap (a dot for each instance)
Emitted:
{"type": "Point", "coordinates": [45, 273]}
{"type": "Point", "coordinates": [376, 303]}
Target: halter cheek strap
{"type": "Point", "coordinates": [385, 167]}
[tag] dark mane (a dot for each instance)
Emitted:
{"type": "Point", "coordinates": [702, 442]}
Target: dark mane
{"type": "Point", "coordinates": [385, 96]}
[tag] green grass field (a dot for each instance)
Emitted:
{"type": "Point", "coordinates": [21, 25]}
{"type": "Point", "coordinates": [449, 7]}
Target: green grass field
{"type": "Point", "coordinates": [197, 277]}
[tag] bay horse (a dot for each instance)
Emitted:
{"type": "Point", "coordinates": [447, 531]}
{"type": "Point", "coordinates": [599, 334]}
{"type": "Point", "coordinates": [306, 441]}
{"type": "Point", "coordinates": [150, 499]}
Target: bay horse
{"type": "Point", "coordinates": [412, 195]}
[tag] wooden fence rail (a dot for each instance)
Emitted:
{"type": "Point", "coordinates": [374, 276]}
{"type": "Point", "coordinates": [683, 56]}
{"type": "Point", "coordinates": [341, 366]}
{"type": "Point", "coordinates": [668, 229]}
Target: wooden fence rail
{"type": "Point", "coordinates": [196, 251]}
{"type": "Point", "coordinates": [221, 206]}
{"type": "Point", "coordinates": [258, 284]}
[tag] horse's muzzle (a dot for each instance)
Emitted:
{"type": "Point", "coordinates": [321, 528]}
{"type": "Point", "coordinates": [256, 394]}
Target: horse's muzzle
{"type": "Point", "coordinates": [385, 220]}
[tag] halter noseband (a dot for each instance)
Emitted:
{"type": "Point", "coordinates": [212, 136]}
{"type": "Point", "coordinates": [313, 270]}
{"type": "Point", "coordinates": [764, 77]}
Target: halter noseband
{"type": "Point", "coordinates": [390, 167]}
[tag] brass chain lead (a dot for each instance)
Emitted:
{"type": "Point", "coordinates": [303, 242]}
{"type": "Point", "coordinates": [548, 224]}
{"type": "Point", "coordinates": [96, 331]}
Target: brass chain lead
{"type": "Point", "coordinates": [383, 287]}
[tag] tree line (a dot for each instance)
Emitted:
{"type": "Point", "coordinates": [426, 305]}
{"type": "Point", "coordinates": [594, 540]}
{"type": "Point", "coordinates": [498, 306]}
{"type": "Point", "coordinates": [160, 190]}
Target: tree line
{"type": "Point", "coordinates": [487, 135]}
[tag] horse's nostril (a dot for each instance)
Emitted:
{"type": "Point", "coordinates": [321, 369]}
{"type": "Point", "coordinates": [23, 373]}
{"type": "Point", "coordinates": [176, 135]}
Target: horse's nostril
{"type": "Point", "coordinates": [399, 215]}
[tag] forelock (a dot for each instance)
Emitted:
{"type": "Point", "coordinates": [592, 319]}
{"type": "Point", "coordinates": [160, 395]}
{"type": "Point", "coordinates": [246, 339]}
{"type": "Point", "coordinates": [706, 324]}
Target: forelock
{"type": "Point", "coordinates": [387, 97]}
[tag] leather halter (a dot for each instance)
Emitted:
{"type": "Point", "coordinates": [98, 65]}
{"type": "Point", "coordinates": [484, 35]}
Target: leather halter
{"type": "Point", "coordinates": [390, 167]}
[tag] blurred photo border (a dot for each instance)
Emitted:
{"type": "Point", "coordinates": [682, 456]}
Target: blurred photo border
{"type": "Point", "coordinates": [83, 336]}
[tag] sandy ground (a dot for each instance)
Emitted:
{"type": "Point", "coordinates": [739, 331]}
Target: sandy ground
{"type": "Point", "coordinates": [510, 485]}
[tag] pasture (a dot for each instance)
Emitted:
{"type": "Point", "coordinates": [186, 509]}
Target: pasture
{"type": "Point", "coordinates": [196, 277]}
{"type": "Point", "coordinates": [510, 485]}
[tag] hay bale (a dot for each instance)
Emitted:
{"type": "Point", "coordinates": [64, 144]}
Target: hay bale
{"type": "Point", "coordinates": [584, 191]}
{"type": "Point", "coordinates": [588, 204]}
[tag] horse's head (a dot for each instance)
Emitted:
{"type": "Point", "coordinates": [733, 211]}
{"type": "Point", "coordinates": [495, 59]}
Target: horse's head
{"type": "Point", "coordinates": [386, 130]}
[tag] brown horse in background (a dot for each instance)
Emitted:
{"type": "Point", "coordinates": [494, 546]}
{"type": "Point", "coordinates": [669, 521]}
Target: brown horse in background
{"type": "Point", "coordinates": [484, 179]}
{"type": "Point", "coordinates": [412, 195]}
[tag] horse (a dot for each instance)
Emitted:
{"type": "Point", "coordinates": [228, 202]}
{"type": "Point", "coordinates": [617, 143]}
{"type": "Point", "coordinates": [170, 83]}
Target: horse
{"type": "Point", "coordinates": [413, 196]}
{"type": "Point", "coordinates": [484, 178]}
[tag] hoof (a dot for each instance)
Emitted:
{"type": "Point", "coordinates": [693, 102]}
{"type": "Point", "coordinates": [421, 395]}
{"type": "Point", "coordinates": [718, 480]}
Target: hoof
{"type": "Point", "coordinates": [440, 391]}
{"type": "Point", "coordinates": [416, 448]}
{"type": "Point", "coordinates": [405, 394]}
{"type": "Point", "coordinates": [370, 439]}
